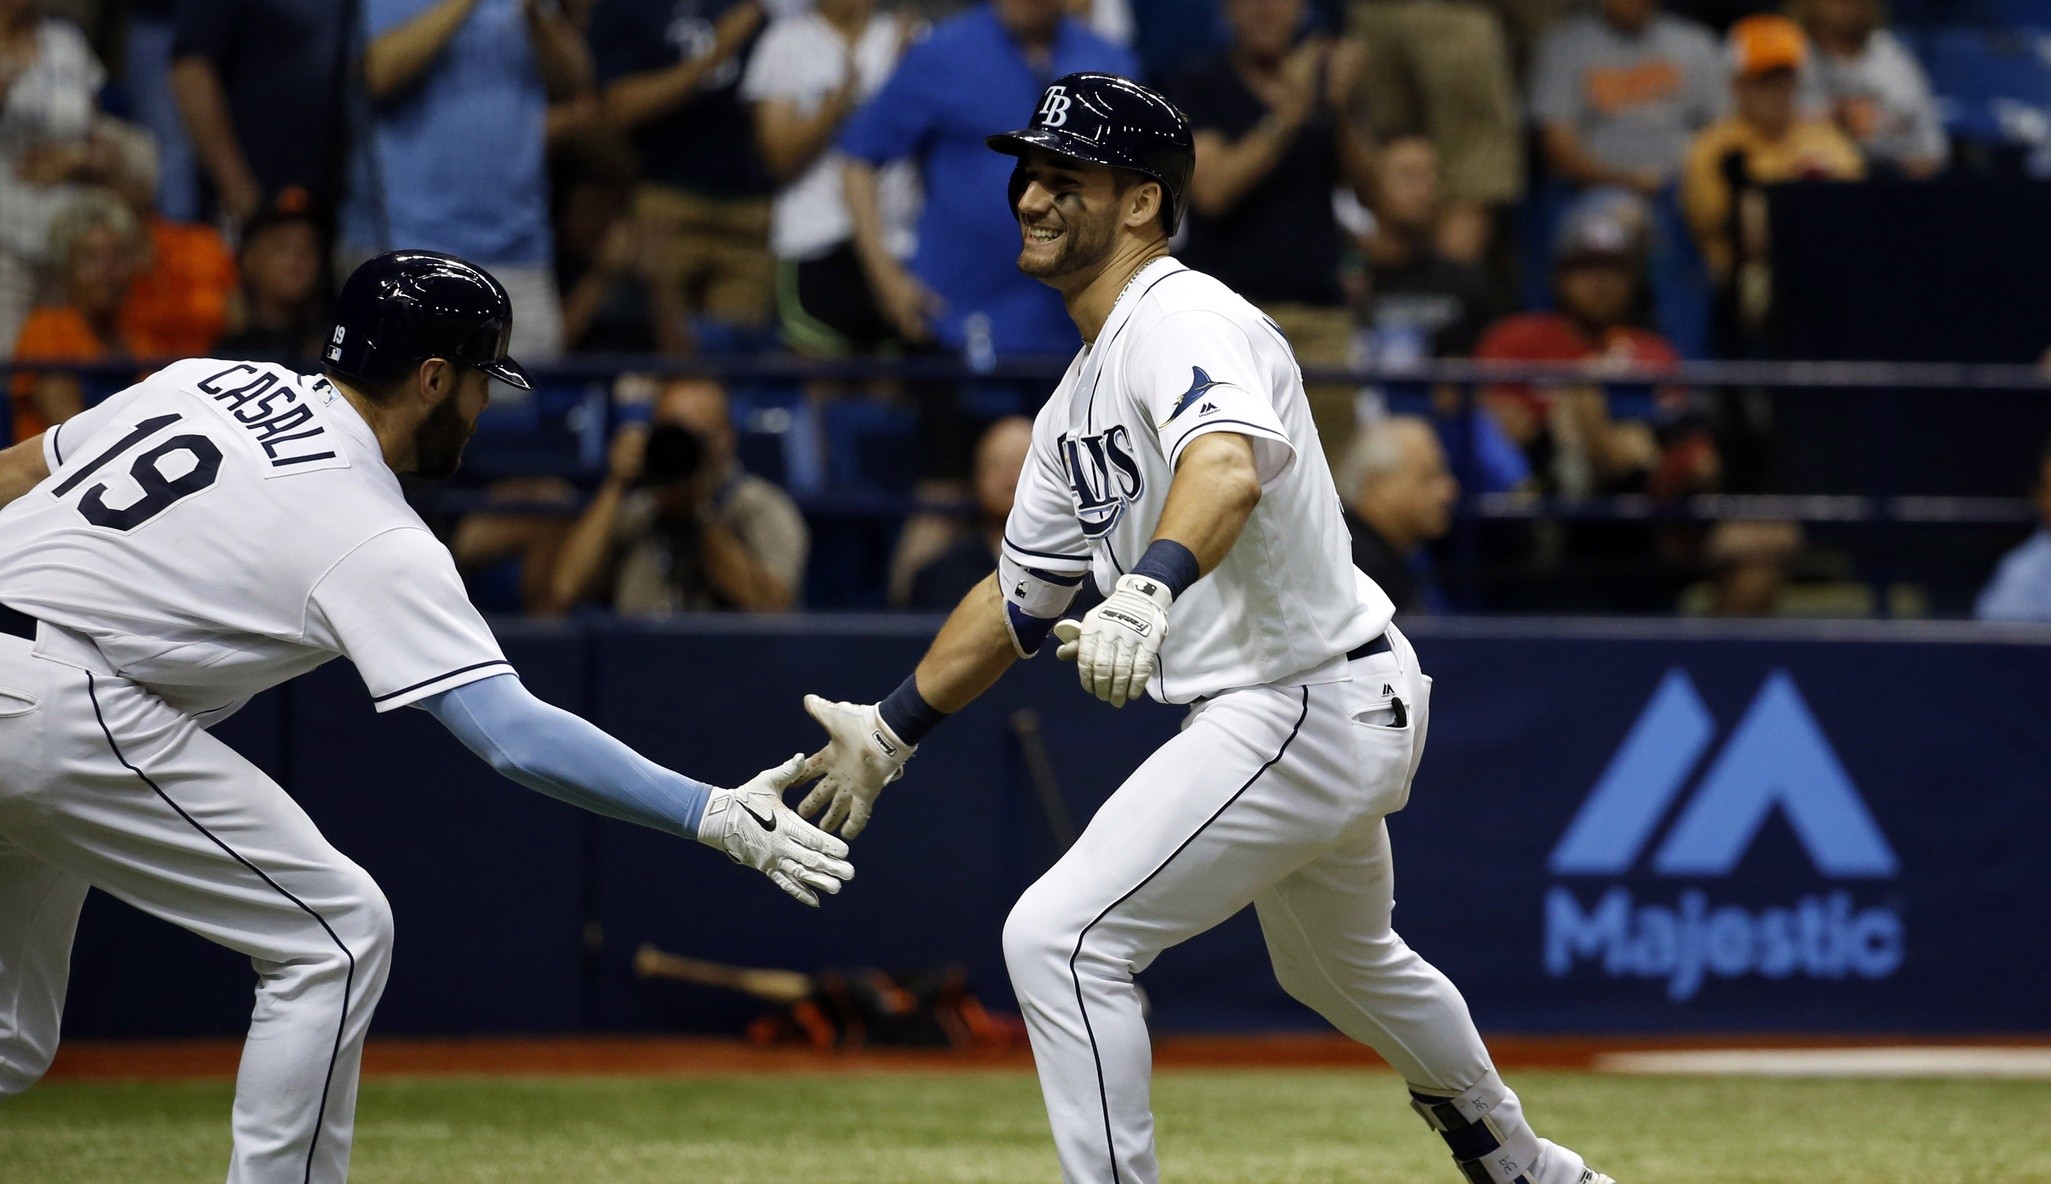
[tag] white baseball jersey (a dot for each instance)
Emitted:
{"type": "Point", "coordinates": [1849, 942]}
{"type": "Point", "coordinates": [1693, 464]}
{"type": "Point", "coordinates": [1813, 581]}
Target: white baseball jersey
{"type": "Point", "coordinates": [1180, 356]}
{"type": "Point", "coordinates": [222, 527]}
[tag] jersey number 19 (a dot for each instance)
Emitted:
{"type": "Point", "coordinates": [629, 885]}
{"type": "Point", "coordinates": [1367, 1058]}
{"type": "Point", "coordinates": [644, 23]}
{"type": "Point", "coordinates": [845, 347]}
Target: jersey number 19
{"type": "Point", "coordinates": [159, 492]}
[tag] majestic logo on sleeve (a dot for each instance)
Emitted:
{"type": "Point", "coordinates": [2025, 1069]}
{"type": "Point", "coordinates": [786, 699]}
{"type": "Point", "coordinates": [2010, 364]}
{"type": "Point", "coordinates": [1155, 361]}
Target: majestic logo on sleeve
{"type": "Point", "coordinates": [1103, 476]}
{"type": "Point", "coordinates": [1199, 382]}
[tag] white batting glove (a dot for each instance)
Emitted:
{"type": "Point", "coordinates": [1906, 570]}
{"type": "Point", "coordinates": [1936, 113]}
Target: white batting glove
{"type": "Point", "coordinates": [861, 756]}
{"type": "Point", "coordinates": [753, 826]}
{"type": "Point", "coordinates": [1119, 641]}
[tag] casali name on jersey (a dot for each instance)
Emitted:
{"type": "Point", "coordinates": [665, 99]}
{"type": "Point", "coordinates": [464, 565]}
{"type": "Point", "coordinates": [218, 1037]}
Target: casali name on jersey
{"type": "Point", "coordinates": [268, 405]}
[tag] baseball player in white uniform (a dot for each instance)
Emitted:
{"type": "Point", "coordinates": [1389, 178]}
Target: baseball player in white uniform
{"type": "Point", "coordinates": [215, 530]}
{"type": "Point", "coordinates": [1176, 464]}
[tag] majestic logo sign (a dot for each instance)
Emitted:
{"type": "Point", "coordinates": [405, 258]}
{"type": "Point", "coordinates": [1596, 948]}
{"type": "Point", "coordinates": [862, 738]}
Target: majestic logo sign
{"type": "Point", "coordinates": [1103, 476]}
{"type": "Point", "coordinates": [1777, 758]}
{"type": "Point", "coordinates": [1054, 108]}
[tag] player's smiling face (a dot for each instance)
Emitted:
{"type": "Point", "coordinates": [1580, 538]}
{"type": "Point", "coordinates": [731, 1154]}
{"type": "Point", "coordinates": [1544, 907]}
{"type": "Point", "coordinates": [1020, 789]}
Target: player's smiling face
{"type": "Point", "coordinates": [1067, 215]}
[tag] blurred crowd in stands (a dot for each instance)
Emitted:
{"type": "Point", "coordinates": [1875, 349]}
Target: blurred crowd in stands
{"type": "Point", "coordinates": [1390, 180]}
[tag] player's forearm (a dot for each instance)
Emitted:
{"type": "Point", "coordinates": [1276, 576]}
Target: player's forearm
{"type": "Point", "coordinates": [57, 397]}
{"type": "Point", "coordinates": [554, 752]}
{"type": "Point", "coordinates": [22, 467]}
{"type": "Point", "coordinates": [399, 55]}
{"type": "Point", "coordinates": [1215, 490]}
{"type": "Point", "coordinates": [971, 652]}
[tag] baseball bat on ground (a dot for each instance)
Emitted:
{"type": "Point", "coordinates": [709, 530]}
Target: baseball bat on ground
{"type": "Point", "coordinates": [775, 986]}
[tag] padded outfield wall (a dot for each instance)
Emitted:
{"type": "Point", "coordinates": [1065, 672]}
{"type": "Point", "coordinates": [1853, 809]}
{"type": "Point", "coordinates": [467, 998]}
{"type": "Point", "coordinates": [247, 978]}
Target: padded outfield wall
{"type": "Point", "coordinates": [1651, 826]}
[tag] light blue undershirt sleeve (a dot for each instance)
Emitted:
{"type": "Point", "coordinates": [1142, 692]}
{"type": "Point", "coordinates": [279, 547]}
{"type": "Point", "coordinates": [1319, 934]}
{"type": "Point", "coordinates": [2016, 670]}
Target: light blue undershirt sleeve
{"type": "Point", "coordinates": [551, 751]}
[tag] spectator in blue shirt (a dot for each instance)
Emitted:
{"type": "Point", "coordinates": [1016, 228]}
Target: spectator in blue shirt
{"type": "Point", "coordinates": [454, 156]}
{"type": "Point", "coordinates": [978, 73]}
{"type": "Point", "coordinates": [2021, 587]}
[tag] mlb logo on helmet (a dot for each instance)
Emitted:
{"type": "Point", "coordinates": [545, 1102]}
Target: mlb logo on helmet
{"type": "Point", "coordinates": [1776, 757]}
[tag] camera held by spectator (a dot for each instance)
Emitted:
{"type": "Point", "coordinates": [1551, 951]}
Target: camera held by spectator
{"type": "Point", "coordinates": [678, 526]}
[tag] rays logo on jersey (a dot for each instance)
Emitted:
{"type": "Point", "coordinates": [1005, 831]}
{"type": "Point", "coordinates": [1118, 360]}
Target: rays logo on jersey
{"type": "Point", "coordinates": [1777, 760]}
{"type": "Point", "coordinates": [1103, 477]}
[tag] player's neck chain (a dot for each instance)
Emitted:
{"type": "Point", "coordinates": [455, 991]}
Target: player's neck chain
{"type": "Point", "coordinates": [1130, 280]}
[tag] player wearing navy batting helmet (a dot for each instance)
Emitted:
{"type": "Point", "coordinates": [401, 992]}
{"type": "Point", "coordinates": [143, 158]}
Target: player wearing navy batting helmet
{"type": "Point", "coordinates": [1178, 468]}
{"type": "Point", "coordinates": [217, 529]}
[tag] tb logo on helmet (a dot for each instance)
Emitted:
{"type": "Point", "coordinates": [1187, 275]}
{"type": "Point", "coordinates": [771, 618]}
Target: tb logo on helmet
{"type": "Point", "coordinates": [1054, 108]}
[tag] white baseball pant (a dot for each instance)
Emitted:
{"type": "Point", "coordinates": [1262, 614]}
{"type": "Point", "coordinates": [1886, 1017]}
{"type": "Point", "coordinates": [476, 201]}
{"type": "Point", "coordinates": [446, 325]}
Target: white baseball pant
{"type": "Point", "coordinates": [1273, 796]}
{"type": "Point", "coordinates": [103, 785]}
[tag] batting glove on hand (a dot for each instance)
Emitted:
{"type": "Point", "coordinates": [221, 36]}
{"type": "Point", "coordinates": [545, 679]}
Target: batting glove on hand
{"type": "Point", "coordinates": [1116, 646]}
{"type": "Point", "coordinates": [753, 826]}
{"type": "Point", "coordinates": [861, 756]}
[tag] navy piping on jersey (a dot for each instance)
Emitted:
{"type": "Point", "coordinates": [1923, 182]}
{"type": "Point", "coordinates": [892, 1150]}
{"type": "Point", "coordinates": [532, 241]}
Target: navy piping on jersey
{"type": "Point", "coordinates": [1103, 1092]}
{"type": "Point", "coordinates": [1266, 433]}
{"type": "Point", "coordinates": [348, 980]}
{"type": "Point", "coordinates": [437, 678]}
{"type": "Point", "coordinates": [57, 442]}
{"type": "Point", "coordinates": [1083, 558]}
{"type": "Point", "coordinates": [1089, 413]}
{"type": "Point", "coordinates": [1048, 577]}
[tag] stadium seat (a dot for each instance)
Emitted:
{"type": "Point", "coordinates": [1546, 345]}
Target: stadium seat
{"type": "Point", "coordinates": [1994, 85]}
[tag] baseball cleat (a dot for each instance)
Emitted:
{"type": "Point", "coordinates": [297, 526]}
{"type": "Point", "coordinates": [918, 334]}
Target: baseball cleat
{"type": "Point", "coordinates": [1558, 1165]}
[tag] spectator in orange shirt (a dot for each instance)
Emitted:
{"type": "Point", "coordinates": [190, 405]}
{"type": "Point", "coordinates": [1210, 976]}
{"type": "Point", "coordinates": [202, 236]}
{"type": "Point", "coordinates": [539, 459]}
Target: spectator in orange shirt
{"type": "Point", "coordinates": [1766, 140]}
{"type": "Point", "coordinates": [99, 247]}
{"type": "Point", "coordinates": [180, 298]}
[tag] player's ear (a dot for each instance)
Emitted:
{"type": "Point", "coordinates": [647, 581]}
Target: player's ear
{"type": "Point", "coordinates": [436, 380]}
{"type": "Point", "coordinates": [1143, 204]}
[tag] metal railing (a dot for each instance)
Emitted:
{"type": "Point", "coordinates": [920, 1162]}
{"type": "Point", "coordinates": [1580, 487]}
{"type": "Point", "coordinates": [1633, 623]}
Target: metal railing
{"type": "Point", "coordinates": [1881, 504]}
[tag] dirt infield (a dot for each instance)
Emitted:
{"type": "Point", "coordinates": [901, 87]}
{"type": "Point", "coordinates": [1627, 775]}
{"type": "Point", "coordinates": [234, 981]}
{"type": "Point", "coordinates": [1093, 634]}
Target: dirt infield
{"type": "Point", "coordinates": [669, 1055]}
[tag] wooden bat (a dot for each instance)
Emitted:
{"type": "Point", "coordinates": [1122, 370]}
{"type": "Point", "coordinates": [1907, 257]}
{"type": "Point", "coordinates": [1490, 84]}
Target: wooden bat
{"type": "Point", "coordinates": [775, 986]}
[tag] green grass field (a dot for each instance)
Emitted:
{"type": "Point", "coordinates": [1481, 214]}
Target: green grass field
{"type": "Point", "coordinates": [1226, 1127]}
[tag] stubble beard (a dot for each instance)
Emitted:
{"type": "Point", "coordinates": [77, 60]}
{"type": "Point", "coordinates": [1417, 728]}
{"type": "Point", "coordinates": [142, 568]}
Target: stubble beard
{"type": "Point", "coordinates": [1084, 248]}
{"type": "Point", "coordinates": [438, 442]}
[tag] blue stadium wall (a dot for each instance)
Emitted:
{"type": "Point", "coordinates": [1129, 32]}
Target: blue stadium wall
{"type": "Point", "coordinates": [1619, 827]}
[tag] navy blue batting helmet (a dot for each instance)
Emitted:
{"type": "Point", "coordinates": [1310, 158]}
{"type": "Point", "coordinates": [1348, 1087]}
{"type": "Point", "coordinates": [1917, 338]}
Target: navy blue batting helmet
{"type": "Point", "coordinates": [1105, 119]}
{"type": "Point", "coordinates": [404, 307]}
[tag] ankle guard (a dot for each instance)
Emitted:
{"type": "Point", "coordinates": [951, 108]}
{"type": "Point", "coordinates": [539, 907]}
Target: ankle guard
{"type": "Point", "coordinates": [1485, 1128]}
